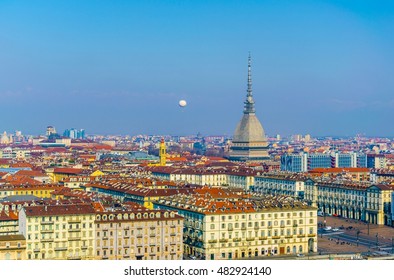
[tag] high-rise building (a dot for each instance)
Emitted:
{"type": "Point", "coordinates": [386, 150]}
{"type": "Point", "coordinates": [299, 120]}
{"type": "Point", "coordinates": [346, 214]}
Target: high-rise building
{"type": "Point", "coordinates": [249, 141]}
{"type": "Point", "coordinates": [50, 130]}
{"type": "Point", "coordinates": [304, 162]}
{"type": "Point", "coordinates": [74, 133]}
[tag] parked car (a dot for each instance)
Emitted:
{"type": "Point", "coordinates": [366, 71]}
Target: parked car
{"type": "Point", "coordinates": [327, 228]}
{"type": "Point", "coordinates": [335, 229]}
{"type": "Point", "coordinates": [300, 255]}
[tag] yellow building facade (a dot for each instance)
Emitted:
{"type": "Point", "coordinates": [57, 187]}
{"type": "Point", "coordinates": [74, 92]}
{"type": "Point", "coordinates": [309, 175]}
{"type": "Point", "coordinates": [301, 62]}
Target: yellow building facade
{"type": "Point", "coordinates": [58, 231]}
{"type": "Point", "coordinates": [12, 247]}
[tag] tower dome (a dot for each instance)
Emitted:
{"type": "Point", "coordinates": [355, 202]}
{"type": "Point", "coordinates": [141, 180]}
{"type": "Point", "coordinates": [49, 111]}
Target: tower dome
{"type": "Point", "coordinates": [249, 141]}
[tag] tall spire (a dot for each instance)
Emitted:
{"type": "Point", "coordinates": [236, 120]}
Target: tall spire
{"type": "Point", "coordinates": [249, 102]}
{"type": "Point", "coordinates": [249, 90]}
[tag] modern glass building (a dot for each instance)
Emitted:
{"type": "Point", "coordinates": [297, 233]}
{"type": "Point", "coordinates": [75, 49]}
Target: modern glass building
{"type": "Point", "coordinates": [304, 162]}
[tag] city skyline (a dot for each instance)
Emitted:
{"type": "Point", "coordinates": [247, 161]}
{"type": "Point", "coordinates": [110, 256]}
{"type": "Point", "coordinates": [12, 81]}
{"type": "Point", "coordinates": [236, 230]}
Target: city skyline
{"type": "Point", "coordinates": [318, 68]}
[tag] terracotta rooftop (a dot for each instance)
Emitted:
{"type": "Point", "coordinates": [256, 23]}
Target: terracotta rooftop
{"type": "Point", "coordinates": [54, 210]}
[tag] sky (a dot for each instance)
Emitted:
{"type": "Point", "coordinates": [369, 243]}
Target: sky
{"type": "Point", "coordinates": [120, 67]}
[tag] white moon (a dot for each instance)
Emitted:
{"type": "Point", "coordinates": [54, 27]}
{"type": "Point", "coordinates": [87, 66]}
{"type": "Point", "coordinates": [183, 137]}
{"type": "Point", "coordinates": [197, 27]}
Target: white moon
{"type": "Point", "coordinates": [182, 103]}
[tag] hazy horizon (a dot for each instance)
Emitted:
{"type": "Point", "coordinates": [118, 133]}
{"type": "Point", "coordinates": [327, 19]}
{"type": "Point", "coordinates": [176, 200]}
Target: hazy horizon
{"type": "Point", "coordinates": [318, 67]}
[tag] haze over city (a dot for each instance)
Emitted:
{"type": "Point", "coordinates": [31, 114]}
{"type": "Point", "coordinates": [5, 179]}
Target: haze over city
{"type": "Point", "coordinates": [323, 68]}
{"type": "Point", "coordinates": [196, 130]}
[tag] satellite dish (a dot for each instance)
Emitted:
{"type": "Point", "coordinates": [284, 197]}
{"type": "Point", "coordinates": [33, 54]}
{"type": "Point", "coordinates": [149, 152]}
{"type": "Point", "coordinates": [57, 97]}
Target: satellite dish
{"type": "Point", "coordinates": [182, 103]}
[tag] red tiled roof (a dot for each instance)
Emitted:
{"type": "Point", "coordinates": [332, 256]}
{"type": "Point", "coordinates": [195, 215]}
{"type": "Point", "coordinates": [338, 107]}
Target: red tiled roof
{"type": "Point", "coordinates": [68, 170]}
{"type": "Point", "coordinates": [30, 173]}
{"type": "Point", "coordinates": [52, 210]}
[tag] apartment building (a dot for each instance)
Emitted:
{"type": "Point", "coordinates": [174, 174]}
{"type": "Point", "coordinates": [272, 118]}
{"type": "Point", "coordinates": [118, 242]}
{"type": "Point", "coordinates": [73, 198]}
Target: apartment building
{"type": "Point", "coordinates": [139, 234]}
{"type": "Point", "coordinates": [355, 200]}
{"type": "Point", "coordinates": [58, 231]}
{"type": "Point", "coordinates": [280, 183]}
{"type": "Point", "coordinates": [12, 247]}
{"type": "Point", "coordinates": [222, 224]}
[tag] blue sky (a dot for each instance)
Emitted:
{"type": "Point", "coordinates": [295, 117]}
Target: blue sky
{"type": "Point", "coordinates": [120, 67]}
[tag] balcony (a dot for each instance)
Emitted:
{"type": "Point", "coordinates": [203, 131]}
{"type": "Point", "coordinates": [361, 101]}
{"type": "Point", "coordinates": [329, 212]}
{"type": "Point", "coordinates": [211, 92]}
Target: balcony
{"type": "Point", "coordinates": [301, 235]}
{"type": "Point", "coordinates": [172, 242]}
{"type": "Point", "coordinates": [105, 257]}
{"type": "Point", "coordinates": [223, 240]}
{"type": "Point", "coordinates": [47, 240]}
{"type": "Point", "coordinates": [46, 222]}
{"type": "Point", "coordinates": [212, 241]}
{"type": "Point", "coordinates": [61, 249]}
{"type": "Point", "coordinates": [243, 228]}
{"type": "Point", "coordinates": [36, 250]}
{"type": "Point", "coordinates": [105, 247]}
{"type": "Point", "coordinates": [152, 235]}
{"type": "Point", "coordinates": [236, 239]}
{"type": "Point", "coordinates": [139, 235]}
{"type": "Point", "coordinates": [250, 239]}
{"type": "Point", "coordinates": [74, 230]}
{"type": "Point", "coordinates": [172, 234]}
{"type": "Point", "coordinates": [84, 247]}
{"type": "Point", "coordinates": [173, 226]}
{"type": "Point", "coordinates": [105, 238]}
{"type": "Point", "coordinates": [275, 237]}
{"type": "Point", "coordinates": [139, 245]}
{"type": "Point", "coordinates": [74, 257]}
{"type": "Point", "coordinates": [288, 236]}
{"type": "Point", "coordinates": [47, 231]}
{"type": "Point", "coordinates": [311, 235]}
{"type": "Point", "coordinates": [230, 229]}
{"type": "Point", "coordinates": [262, 238]}
{"type": "Point", "coordinates": [76, 238]}
{"type": "Point", "coordinates": [74, 221]}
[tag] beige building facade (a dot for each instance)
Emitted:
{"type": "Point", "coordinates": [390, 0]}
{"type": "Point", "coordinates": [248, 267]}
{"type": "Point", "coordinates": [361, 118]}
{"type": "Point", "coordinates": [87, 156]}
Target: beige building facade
{"type": "Point", "coordinates": [139, 235]}
{"type": "Point", "coordinates": [58, 231]}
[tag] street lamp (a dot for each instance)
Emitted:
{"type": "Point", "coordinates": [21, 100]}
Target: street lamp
{"type": "Point", "coordinates": [368, 226]}
{"type": "Point", "coordinates": [392, 245]}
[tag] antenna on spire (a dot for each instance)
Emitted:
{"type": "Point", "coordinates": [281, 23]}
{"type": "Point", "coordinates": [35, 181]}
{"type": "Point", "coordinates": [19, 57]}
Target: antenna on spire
{"type": "Point", "coordinates": [249, 102]}
{"type": "Point", "coordinates": [249, 75]}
